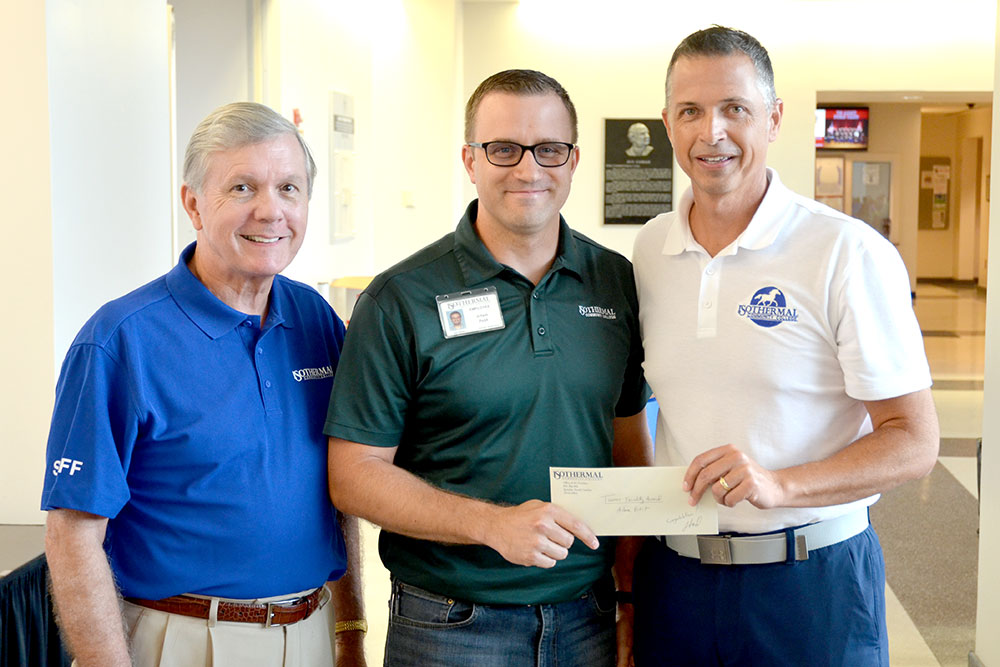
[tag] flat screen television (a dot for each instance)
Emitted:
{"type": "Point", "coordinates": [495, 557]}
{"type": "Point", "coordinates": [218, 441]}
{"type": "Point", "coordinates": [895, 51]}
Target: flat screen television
{"type": "Point", "coordinates": [842, 128]}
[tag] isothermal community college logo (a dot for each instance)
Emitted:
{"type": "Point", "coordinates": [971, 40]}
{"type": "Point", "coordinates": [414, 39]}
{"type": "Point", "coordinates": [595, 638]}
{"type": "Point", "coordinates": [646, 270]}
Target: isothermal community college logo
{"type": "Point", "coordinates": [313, 373]}
{"type": "Point", "coordinates": [767, 308]}
{"type": "Point", "coordinates": [598, 311]}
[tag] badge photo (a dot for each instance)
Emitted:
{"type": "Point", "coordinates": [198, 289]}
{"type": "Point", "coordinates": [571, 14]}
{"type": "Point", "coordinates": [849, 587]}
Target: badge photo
{"type": "Point", "coordinates": [469, 312]}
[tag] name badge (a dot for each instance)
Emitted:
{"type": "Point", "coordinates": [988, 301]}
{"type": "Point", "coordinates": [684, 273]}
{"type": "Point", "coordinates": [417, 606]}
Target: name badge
{"type": "Point", "coordinates": [470, 312]}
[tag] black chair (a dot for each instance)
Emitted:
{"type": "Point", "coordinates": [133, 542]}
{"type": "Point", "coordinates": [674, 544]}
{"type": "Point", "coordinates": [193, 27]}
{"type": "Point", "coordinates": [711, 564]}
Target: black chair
{"type": "Point", "coordinates": [28, 633]}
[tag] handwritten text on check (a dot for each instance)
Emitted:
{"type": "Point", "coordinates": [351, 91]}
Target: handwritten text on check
{"type": "Point", "coordinates": [633, 501]}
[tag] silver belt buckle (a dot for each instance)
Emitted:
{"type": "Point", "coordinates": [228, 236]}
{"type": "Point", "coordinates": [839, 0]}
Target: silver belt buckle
{"type": "Point", "coordinates": [715, 550]}
{"type": "Point", "coordinates": [801, 549]}
{"type": "Point", "coordinates": [278, 604]}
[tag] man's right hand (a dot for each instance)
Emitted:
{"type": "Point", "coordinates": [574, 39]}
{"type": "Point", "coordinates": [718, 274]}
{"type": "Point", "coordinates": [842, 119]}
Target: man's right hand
{"type": "Point", "coordinates": [365, 482]}
{"type": "Point", "coordinates": [537, 533]}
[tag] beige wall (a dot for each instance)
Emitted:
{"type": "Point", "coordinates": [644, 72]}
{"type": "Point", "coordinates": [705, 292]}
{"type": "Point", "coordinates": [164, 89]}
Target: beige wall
{"type": "Point", "coordinates": [936, 256]}
{"type": "Point", "coordinates": [321, 49]}
{"type": "Point", "coordinates": [958, 252]}
{"type": "Point", "coordinates": [417, 116]}
{"type": "Point", "coordinates": [978, 123]}
{"type": "Point", "coordinates": [895, 132]}
{"type": "Point", "coordinates": [26, 343]}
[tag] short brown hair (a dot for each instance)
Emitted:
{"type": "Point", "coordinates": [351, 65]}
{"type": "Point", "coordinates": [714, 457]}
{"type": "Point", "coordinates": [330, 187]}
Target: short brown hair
{"type": "Point", "coordinates": [517, 82]}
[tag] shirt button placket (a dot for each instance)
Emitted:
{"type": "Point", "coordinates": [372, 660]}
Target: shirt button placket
{"type": "Point", "coordinates": [539, 322]}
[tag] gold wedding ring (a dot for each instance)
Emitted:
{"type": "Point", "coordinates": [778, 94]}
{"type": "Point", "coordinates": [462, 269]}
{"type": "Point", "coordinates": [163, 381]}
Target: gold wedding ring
{"type": "Point", "coordinates": [722, 481]}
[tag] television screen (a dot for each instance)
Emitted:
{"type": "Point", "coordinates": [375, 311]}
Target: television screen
{"type": "Point", "coordinates": [842, 128]}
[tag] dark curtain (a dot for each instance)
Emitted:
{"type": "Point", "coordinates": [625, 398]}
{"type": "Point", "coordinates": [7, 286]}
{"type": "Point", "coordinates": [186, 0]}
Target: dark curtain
{"type": "Point", "coordinates": [28, 633]}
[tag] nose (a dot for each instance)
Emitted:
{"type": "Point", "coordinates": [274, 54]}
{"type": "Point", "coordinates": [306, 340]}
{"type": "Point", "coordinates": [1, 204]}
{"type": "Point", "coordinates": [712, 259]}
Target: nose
{"type": "Point", "coordinates": [713, 127]}
{"type": "Point", "coordinates": [268, 205]}
{"type": "Point", "coordinates": [528, 168]}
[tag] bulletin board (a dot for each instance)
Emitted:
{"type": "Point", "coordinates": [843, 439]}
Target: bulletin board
{"type": "Point", "coordinates": [935, 186]}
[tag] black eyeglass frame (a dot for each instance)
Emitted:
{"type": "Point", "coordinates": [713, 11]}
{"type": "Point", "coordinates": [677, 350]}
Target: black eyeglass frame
{"type": "Point", "coordinates": [524, 149]}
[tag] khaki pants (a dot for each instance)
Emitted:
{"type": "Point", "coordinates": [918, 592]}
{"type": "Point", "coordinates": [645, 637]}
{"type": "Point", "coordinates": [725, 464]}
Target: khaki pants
{"type": "Point", "coordinates": [159, 639]}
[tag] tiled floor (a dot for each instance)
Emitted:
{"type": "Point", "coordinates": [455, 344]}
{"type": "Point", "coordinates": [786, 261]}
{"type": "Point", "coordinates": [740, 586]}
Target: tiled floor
{"type": "Point", "coordinates": [928, 528]}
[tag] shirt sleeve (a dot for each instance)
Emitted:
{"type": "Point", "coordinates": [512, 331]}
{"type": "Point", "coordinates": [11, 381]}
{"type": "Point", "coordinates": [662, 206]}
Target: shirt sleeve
{"type": "Point", "coordinates": [879, 344]}
{"type": "Point", "coordinates": [94, 427]}
{"type": "Point", "coordinates": [373, 387]}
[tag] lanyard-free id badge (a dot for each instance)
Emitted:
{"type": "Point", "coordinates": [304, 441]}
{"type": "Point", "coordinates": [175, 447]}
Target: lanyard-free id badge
{"type": "Point", "coordinates": [469, 312]}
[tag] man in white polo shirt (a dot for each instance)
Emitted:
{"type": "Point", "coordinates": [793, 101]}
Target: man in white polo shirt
{"type": "Point", "coordinates": [781, 343]}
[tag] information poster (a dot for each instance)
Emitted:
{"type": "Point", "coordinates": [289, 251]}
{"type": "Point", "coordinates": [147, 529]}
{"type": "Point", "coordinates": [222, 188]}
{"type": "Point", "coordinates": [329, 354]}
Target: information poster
{"type": "Point", "coordinates": [933, 204]}
{"type": "Point", "coordinates": [830, 181]}
{"type": "Point", "coordinates": [638, 170]}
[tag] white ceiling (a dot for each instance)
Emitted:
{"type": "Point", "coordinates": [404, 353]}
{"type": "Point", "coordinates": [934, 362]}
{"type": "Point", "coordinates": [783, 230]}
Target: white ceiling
{"type": "Point", "coordinates": [929, 101]}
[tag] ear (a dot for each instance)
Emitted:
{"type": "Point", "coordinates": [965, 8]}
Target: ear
{"type": "Point", "coordinates": [775, 119]}
{"type": "Point", "coordinates": [468, 158]}
{"type": "Point", "coordinates": [665, 115]}
{"type": "Point", "coordinates": [189, 198]}
{"type": "Point", "coordinates": [574, 160]}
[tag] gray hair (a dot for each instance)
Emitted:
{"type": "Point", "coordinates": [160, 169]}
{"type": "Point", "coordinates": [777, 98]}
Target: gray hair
{"type": "Point", "coordinates": [234, 126]}
{"type": "Point", "coordinates": [517, 82]}
{"type": "Point", "coordinates": [721, 41]}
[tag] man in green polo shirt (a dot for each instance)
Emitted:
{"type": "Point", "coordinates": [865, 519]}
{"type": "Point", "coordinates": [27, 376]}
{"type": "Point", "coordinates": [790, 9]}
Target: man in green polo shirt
{"type": "Point", "coordinates": [443, 435]}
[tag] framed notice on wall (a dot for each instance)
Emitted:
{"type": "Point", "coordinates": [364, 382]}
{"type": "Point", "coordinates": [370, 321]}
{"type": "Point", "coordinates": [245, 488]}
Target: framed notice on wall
{"type": "Point", "coordinates": [830, 181]}
{"type": "Point", "coordinates": [935, 179]}
{"type": "Point", "coordinates": [638, 170]}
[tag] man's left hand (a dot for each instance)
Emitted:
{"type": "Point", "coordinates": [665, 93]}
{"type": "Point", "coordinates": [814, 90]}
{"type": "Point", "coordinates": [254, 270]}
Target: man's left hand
{"type": "Point", "coordinates": [747, 480]}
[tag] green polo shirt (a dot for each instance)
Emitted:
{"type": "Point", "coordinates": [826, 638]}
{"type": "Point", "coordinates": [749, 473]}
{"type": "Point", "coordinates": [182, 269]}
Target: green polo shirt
{"type": "Point", "coordinates": [486, 414]}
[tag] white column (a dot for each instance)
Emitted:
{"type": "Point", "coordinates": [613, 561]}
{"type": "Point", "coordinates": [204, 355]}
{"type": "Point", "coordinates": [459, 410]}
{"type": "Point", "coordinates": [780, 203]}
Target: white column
{"type": "Point", "coordinates": [988, 606]}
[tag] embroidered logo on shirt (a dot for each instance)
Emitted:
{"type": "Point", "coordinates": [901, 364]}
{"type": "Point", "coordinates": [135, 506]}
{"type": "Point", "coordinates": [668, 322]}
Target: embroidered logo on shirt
{"type": "Point", "coordinates": [598, 311]}
{"type": "Point", "coordinates": [767, 308]}
{"type": "Point", "coordinates": [313, 373]}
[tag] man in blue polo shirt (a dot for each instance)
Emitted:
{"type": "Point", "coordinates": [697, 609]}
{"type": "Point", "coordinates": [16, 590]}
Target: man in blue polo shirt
{"type": "Point", "coordinates": [186, 468]}
{"type": "Point", "coordinates": [444, 434]}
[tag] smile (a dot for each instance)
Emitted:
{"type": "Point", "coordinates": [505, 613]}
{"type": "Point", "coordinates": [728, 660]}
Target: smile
{"type": "Point", "coordinates": [716, 159]}
{"type": "Point", "coordinates": [261, 239]}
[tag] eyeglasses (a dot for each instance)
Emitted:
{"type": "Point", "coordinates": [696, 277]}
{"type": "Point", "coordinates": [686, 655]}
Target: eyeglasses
{"type": "Point", "coordinates": [509, 154]}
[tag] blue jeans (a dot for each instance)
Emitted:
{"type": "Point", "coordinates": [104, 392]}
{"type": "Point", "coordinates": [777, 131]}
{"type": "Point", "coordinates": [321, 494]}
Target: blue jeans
{"type": "Point", "coordinates": [826, 611]}
{"type": "Point", "coordinates": [427, 629]}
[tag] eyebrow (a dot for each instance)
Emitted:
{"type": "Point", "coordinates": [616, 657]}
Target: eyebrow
{"type": "Point", "coordinates": [250, 178]}
{"type": "Point", "coordinates": [727, 100]}
{"type": "Point", "coordinates": [540, 141]}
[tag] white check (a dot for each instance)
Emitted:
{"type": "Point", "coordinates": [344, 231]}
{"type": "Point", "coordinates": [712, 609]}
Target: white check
{"type": "Point", "coordinates": [633, 501]}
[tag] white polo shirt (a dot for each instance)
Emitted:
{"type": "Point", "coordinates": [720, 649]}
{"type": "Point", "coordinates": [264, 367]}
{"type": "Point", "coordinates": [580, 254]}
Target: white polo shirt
{"type": "Point", "coordinates": [773, 344]}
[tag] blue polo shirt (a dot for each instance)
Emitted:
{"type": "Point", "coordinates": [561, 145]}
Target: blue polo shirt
{"type": "Point", "coordinates": [198, 432]}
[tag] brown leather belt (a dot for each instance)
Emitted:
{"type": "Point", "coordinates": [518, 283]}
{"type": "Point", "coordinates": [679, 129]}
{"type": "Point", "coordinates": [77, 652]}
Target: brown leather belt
{"type": "Point", "coordinates": [265, 613]}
